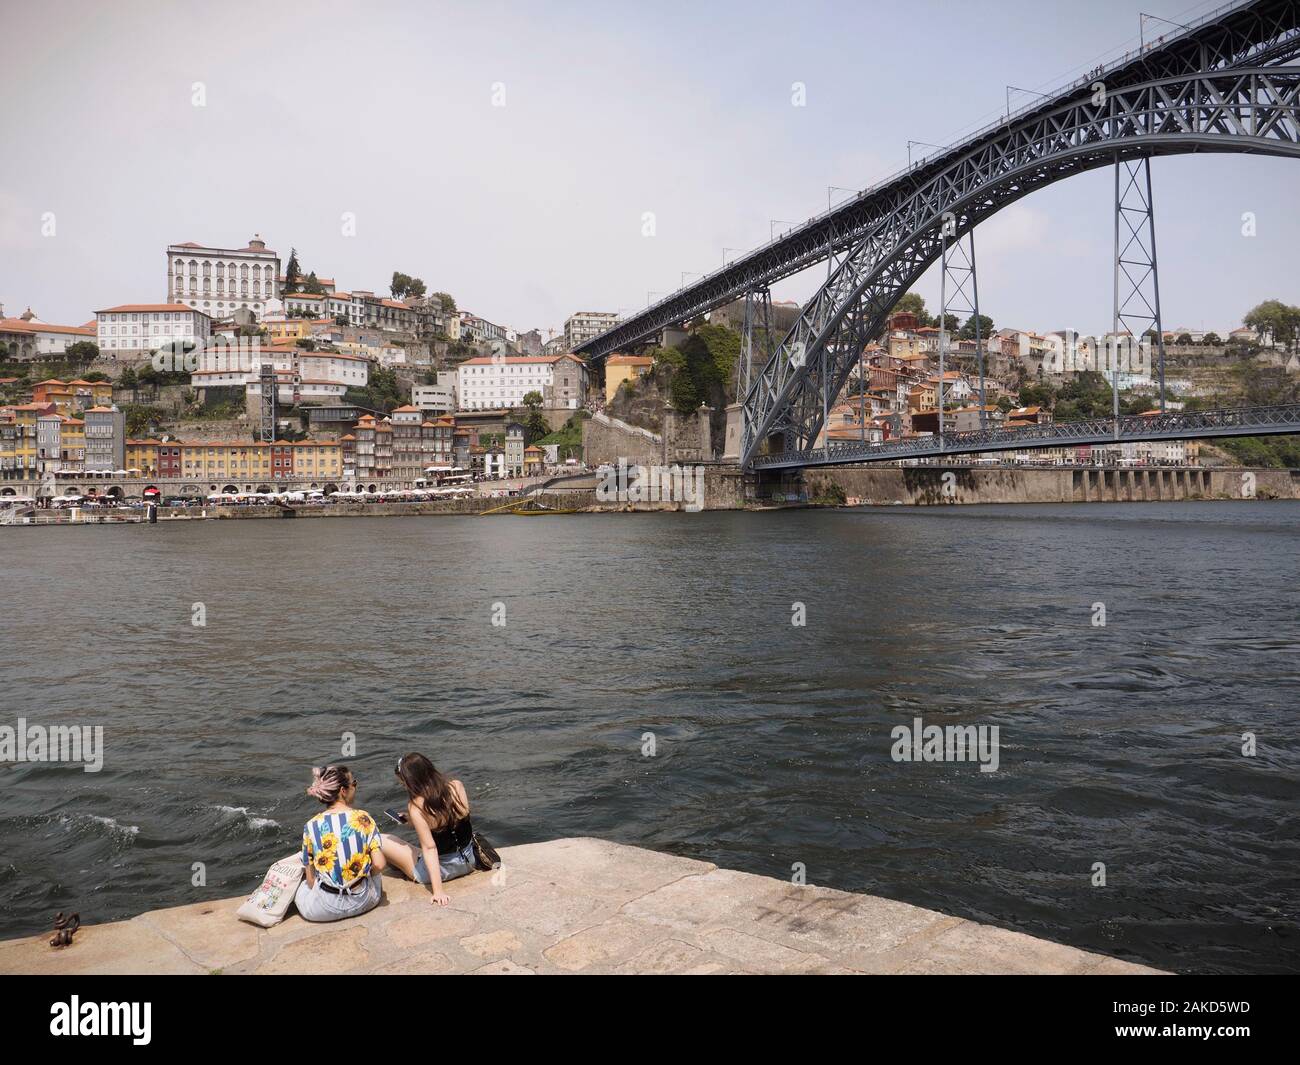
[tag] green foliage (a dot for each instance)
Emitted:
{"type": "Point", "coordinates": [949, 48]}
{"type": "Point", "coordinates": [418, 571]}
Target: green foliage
{"type": "Point", "coordinates": [534, 421]}
{"type": "Point", "coordinates": [142, 420]}
{"type": "Point", "coordinates": [1275, 321]}
{"type": "Point", "coordinates": [383, 393]}
{"type": "Point", "coordinates": [568, 438]}
{"type": "Point", "coordinates": [914, 303]}
{"type": "Point", "coordinates": [1274, 451]}
{"type": "Point", "coordinates": [967, 331]}
{"type": "Point", "coordinates": [83, 351]}
{"type": "Point", "coordinates": [312, 285]}
{"type": "Point", "coordinates": [709, 356]}
{"type": "Point", "coordinates": [292, 272]}
{"type": "Point", "coordinates": [448, 304]}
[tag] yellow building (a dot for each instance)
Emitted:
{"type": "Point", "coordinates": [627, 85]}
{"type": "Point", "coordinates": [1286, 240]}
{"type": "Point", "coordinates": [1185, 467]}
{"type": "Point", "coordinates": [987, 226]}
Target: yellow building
{"type": "Point", "coordinates": [92, 393]}
{"type": "Point", "coordinates": [248, 463]}
{"type": "Point", "coordinates": [72, 445]}
{"type": "Point", "coordinates": [142, 455]}
{"type": "Point", "coordinates": [287, 328]}
{"type": "Point", "coordinates": [24, 457]}
{"type": "Point", "coordinates": [620, 368]}
{"type": "Point", "coordinates": [213, 461]}
{"type": "Point", "coordinates": [317, 460]}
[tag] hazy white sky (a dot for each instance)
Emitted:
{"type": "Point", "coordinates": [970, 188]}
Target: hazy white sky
{"type": "Point", "coordinates": [529, 211]}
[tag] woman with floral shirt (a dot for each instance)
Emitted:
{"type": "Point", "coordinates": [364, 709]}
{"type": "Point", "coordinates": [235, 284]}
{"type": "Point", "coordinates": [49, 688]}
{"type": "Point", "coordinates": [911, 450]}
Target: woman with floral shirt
{"type": "Point", "coordinates": [341, 851]}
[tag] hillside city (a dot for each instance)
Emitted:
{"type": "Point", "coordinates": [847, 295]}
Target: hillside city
{"type": "Point", "coordinates": [252, 374]}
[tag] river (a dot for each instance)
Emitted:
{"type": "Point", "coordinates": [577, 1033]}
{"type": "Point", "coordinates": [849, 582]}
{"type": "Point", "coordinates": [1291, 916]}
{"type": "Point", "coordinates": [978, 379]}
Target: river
{"type": "Point", "coordinates": [1119, 744]}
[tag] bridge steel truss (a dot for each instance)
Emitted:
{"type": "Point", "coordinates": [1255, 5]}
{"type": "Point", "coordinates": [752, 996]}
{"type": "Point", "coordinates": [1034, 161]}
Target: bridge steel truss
{"type": "Point", "coordinates": [1253, 110]}
{"type": "Point", "coordinates": [1255, 34]}
{"type": "Point", "coordinates": [1189, 425]}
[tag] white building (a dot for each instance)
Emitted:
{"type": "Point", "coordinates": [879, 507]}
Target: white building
{"type": "Point", "coordinates": [582, 326]}
{"type": "Point", "coordinates": [436, 399]}
{"type": "Point", "coordinates": [302, 376]}
{"type": "Point", "coordinates": [135, 329]}
{"type": "Point", "coordinates": [483, 331]}
{"type": "Point", "coordinates": [218, 281]}
{"type": "Point", "coordinates": [30, 338]}
{"type": "Point", "coordinates": [497, 383]}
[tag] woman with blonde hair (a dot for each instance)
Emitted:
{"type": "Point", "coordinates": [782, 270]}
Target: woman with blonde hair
{"type": "Point", "coordinates": [342, 852]}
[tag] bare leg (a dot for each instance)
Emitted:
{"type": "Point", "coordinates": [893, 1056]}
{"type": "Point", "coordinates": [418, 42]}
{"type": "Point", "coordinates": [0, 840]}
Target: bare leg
{"type": "Point", "coordinates": [400, 854]}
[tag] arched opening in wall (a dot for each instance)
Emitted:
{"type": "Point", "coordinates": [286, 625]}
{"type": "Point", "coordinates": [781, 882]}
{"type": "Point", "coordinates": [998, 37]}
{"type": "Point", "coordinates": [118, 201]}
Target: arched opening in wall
{"type": "Point", "coordinates": [7, 492]}
{"type": "Point", "coordinates": [371, 488]}
{"type": "Point", "coordinates": [229, 489]}
{"type": "Point", "coordinates": [263, 488]}
{"type": "Point", "coordinates": [151, 492]}
{"type": "Point", "coordinates": [115, 492]}
{"type": "Point", "coordinates": [331, 488]}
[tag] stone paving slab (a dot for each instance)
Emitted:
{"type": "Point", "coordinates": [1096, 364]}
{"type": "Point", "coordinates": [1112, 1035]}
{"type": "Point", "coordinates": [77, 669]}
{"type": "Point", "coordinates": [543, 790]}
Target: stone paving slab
{"type": "Point", "coordinates": [571, 906]}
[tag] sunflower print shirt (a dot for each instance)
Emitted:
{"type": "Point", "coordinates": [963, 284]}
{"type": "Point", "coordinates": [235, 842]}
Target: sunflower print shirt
{"type": "Point", "coordinates": [339, 845]}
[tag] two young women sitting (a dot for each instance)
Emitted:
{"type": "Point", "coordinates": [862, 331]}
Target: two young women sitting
{"type": "Point", "coordinates": [345, 854]}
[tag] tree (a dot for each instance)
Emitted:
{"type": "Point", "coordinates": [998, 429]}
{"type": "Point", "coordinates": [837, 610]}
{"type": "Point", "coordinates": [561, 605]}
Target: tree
{"type": "Point", "coordinates": [1211, 338]}
{"type": "Point", "coordinates": [534, 421]}
{"type": "Point", "coordinates": [86, 351]}
{"type": "Point", "coordinates": [400, 285]}
{"type": "Point", "coordinates": [968, 330]}
{"type": "Point", "coordinates": [292, 272]}
{"type": "Point", "coordinates": [914, 303]}
{"type": "Point", "coordinates": [951, 321]}
{"type": "Point", "coordinates": [448, 304]}
{"type": "Point", "coordinates": [313, 285]}
{"type": "Point", "coordinates": [1275, 321]}
{"type": "Point", "coordinates": [1183, 339]}
{"type": "Point", "coordinates": [416, 288]}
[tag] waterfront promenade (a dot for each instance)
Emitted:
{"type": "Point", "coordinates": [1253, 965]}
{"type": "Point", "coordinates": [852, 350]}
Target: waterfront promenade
{"type": "Point", "coordinates": [577, 905]}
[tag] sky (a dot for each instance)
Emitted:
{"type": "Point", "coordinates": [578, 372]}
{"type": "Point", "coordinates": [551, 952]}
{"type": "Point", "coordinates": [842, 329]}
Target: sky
{"type": "Point", "coordinates": [512, 153]}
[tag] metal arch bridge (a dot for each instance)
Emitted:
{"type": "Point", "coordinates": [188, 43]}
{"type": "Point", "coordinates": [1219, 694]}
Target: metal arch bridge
{"type": "Point", "coordinates": [1219, 86]}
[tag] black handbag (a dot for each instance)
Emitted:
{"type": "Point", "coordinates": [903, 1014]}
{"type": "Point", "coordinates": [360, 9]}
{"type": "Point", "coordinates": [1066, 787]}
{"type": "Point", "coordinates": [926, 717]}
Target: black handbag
{"type": "Point", "coordinates": [485, 856]}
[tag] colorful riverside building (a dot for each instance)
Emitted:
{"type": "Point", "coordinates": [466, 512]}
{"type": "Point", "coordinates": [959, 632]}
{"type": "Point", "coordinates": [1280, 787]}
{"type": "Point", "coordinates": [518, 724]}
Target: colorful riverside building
{"type": "Point", "coordinates": [72, 396]}
{"type": "Point", "coordinates": [399, 447]}
{"type": "Point", "coordinates": [249, 463]}
{"type": "Point", "coordinates": [19, 450]}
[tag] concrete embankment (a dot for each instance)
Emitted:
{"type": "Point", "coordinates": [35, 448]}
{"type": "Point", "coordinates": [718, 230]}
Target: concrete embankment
{"type": "Point", "coordinates": [570, 906]}
{"type": "Point", "coordinates": [920, 485]}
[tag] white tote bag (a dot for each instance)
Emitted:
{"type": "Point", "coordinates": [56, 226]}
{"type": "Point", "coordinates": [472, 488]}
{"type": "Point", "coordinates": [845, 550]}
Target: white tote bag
{"type": "Point", "coordinates": [270, 902]}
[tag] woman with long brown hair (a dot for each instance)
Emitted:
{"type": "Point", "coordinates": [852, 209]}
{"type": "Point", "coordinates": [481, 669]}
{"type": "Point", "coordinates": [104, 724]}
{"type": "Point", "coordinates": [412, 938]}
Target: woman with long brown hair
{"type": "Point", "coordinates": [438, 809]}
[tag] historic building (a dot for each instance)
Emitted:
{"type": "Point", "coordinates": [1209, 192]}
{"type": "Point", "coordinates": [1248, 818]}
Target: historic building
{"type": "Point", "coordinates": [218, 281]}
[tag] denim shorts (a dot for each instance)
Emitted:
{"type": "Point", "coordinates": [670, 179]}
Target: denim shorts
{"type": "Point", "coordinates": [453, 865]}
{"type": "Point", "coordinates": [315, 903]}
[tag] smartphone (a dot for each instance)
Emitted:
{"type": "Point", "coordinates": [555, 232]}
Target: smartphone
{"type": "Point", "coordinates": [396, 815]}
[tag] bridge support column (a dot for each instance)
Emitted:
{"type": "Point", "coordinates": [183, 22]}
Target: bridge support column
{"type": "Point", "coordinates": [959, 294]}
{"type": "Point", "coordinates": [1137, 275]}
{"type": "Point", "coordinates": [758, 318]}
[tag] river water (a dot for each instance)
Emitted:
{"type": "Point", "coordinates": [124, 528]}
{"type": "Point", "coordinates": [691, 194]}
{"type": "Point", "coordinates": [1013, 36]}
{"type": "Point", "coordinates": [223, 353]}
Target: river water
{"type": "Point", "coordinates": [1118, 744]}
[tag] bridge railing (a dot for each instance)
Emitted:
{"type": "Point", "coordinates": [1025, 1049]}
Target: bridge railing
{"type": "Point", "coordinates": [1132, 427]}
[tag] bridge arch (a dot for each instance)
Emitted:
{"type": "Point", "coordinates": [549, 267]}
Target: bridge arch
{"type": "Point", "coordinates": [1255, 111]}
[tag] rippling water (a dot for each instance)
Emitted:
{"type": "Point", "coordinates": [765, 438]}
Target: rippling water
{"type": "Point", "coordinates": [1119, 745]}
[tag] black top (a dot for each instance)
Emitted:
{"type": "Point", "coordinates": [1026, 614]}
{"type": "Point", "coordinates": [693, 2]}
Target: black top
{"type": "Point", "coordinates": [454, 837]}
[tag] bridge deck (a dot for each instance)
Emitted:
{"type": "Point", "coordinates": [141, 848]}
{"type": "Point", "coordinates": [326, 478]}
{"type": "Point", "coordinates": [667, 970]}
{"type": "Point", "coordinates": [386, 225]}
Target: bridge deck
{"type": "Point", "coordinates": [1182, 425]}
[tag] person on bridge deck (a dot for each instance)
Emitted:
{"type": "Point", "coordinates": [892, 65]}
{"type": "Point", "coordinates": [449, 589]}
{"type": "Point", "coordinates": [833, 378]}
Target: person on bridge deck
{"type": "Point", "coordinates": [341, 851]}
{"type": "Point", "coordinates": [438, 809]}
